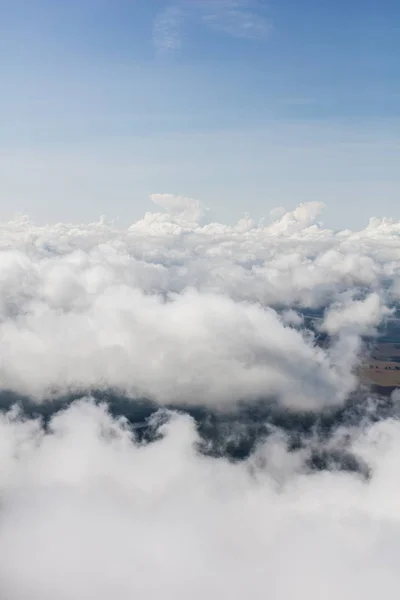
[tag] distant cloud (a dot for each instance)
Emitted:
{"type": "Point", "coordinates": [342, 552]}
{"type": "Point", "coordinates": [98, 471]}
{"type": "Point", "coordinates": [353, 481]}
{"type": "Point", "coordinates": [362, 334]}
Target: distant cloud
{"type": "Point", "coordinates": [236, 18]}
{"type": "Point", "coordinates": [180, 309]}
{"type": "Point", "coordinates": [167, 29]}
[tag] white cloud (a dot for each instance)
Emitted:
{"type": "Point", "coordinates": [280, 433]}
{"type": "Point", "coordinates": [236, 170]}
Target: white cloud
{"type": "Point", "coordinates": [361, 316]}
{"type": "Point", "coordinates": [180, 311]}
{"type": "Point", "coordinates": [89, 513]}
{"type": "Point", "coordinates": [180, 209]}
{"type": "Point", "coordinates": [194, 348]}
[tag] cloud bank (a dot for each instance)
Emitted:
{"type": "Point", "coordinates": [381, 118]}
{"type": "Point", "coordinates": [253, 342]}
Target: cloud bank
{"type": "Point", "coordinates": [178, 309]}
{"type": "Point", "coordinates": [87, 512]}
{"type": "Point", "coordinates": [197, 316]}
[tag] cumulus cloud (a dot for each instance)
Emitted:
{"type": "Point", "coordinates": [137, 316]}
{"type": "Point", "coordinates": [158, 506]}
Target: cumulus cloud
{"type": "Point", "coordinates": [179, 309]}
{"type": "Point", "coordinates": [198, 316]}
{"type": "Point", "coordinates": [361, 316]}
{"type": "Point", "coordinates": [193, 348]}
{"type": "Point", "coordinates": [88, 512]}
{"type": "Point", "coordinates": [180, 209]}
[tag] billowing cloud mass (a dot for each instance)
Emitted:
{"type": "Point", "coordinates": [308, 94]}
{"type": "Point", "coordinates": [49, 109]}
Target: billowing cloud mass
{"type": "Point", "coordinates": [254, 331]}
{"type": "Point", "coordinates": [180, 310]}
{"type": "Point", "coordinates": [87, 513]}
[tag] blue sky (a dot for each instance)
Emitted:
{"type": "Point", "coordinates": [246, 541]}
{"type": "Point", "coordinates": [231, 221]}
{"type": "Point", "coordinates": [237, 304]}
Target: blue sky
{"type": "Point", "coordinates": [245, 105]}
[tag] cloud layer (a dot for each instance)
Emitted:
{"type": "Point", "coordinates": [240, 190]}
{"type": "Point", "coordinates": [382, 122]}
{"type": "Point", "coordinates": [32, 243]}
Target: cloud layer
{"type": "Point", "coordinates": [191, 313]}
{"type": "Point", "coordinates": [87, 513]}
{"type": "Point", "coordinates": [178, 309]}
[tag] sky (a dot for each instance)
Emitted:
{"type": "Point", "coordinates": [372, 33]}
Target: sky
{"type": "Point", "coordinates": [244, 105]}
{"type": "Point", "coordinates": [174, 423]}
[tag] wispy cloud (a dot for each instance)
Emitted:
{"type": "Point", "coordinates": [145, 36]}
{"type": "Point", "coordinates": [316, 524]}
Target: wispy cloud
{"type": "Point", "coordinates": [167, 29]}
{"type": "Point", "coordinates": [236, 18]}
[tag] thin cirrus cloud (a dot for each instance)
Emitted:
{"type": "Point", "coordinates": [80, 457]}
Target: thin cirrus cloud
{"type": "Point", "coordinates": [236, 18]}
{"type": "Point", "coordinates": [167, 30]}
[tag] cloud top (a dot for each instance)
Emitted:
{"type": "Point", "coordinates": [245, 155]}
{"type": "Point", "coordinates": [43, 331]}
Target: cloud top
{"type": "Point", "coordinates": [179, 309]}
{"type": "Point", "coordinates": [206, 318]}
{"type": "Point", "coordinates": [88, 512]}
